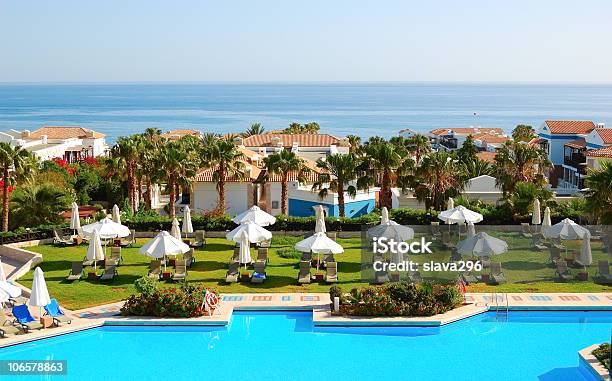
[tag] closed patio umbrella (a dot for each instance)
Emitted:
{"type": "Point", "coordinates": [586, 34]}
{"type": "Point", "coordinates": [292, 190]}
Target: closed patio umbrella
{"type": "Point", "coordinates": [116, 214]}
{"type": "Point", "coordinates": [107, 229]}
{"type": "Point", "coordinates": [482, 245]}
{"type": "Point", "coordinates": [320, 223]}
{"type": "Point", "coordinates": [450, 204]}
{"type": "Point", "coordinates": [162, 245]}
{"type": "Point", "coordinates": [4, 297]}
{"type": "Point", "coordinates": [535, 217]}
{"type": "Point", "coordinates": [471, 231]}
{"type": "Point", "coordinates": [256, 215]}
{"type": "Point", "coordinates": [175, 231]}
{"type": "Point", "coordinates": [187, 226]}
{"type": "Point", "coordinates": [392, 230]}
{"type": "Point", "coordinates": [586, 257]}
{"type": "Point", "coordinates": [245, 250]}
{"type": "Point", "coordinates": [39, 297]}
{"type": "Point", "coordinates": [94, 250]}
{"type": "Point", "coordinates": [255, 233]}
{"type": "Point", "coordinates": [75, 220]}
{"type": "Point", "coordinates": [546, 220]}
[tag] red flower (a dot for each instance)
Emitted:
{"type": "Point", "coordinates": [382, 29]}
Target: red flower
{"type": "Point", "coordinates": [90, 160]}
{"type": "Point", "coordinates": [60, 162]}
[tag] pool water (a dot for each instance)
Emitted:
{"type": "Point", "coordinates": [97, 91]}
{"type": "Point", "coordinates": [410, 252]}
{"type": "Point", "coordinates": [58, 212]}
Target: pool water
{"type": "Point", "coordinates": [286, 346]}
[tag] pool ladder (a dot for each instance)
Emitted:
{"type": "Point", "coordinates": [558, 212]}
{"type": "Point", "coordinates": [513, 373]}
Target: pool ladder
{"type": "Point", "coordinates": [501, 307]}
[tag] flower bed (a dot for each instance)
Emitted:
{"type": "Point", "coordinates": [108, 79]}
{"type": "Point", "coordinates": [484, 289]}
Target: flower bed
{"type": "Point", "coordinates": [602, 353]}
{"type": "Point", "coordinates": [399, 299]}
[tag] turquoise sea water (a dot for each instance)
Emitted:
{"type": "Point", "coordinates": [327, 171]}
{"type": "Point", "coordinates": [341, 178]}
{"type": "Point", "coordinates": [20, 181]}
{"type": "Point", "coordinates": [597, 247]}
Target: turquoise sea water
{"type": "Point", "coordinates": [285, 346]}
{"type": "Point", "coordinates": [363, 109]}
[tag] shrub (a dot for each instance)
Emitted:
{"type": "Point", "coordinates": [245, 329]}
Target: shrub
{"type": "Point", "coordinates": [335, 291]}
{"type": "Point", "coordinates": [602, 353]}
{"type": "Point", "coordinates": [183, 302]}
{"type": "Point", "coordinates": [288, 253]}
{"type": "Point", "coordinates": [146, 285]}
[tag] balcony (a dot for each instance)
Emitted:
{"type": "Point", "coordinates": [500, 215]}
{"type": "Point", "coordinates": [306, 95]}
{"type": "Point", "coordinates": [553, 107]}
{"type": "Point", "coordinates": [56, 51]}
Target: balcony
{"type": "Point", "coordinates": [576, 160]}
{"type": "Point", "coordinates": [449, 143]}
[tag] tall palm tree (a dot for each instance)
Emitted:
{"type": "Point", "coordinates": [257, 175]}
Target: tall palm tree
{"type": "Point", "coordinates": [17, 164]}
{"type": "Point", "coordinates": [384, 164]}
{"type": "Point", "coordinates": [33, 205]}
{"type": "Point", "coordinates": [223, 157]}
{"type": "Point", "coordinates": [477, 167]}
{"type": "Point", "coordinates": [354, 142]}
{"type": "Point", "coordinates": [599, 194]}
{"type": "Point", "coordinates": [126, 153]}
{"type": "Point", "coordinates": [419, 146]}
{"type": "Point", "coordinates": [284, 163]}
{"type": "Point", "coordinates": [179, 163]}
{"type": "Point", "coordinates": [439, 178]}
{"type": "Point", "coordinates": [255, 129]}
{"type": "Point", "coordinates": [518, 162]}
{"type": "Point", "coordinates": [149, 160]}
{"type": "Point", "coordinates": [338, 171]}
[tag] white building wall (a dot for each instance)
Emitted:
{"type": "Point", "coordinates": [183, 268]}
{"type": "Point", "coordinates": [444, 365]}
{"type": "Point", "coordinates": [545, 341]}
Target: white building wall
{"type": "Point", "coordinates": [206, 197]}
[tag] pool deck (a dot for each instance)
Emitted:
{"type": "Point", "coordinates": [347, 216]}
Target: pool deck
{"type": "Point", "coordinates": [319, 303]}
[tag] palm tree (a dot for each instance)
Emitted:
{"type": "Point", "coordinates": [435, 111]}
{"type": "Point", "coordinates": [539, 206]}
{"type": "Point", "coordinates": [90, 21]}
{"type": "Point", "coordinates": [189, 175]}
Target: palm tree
{"type": "Point", "coordinates": [384, 164]}
{"type": "Point", "coordinates": [523, 133]}
{"type": "Point", "coordinates": [148, 162]}
{"type": "Point", "coordinates": [283, 163]}
{"type": "Point", "coordinates": [599, 194]}
{"type": "Point", "coordinates": [126, 153]}
{"type": "Point", "coordinates": [179, 163]}
{"type": "Point", "coordinates": [477, 167]}
{"type": "Point", "coordinates": [255, 129]}
{"type": "Point", "coordinates": [419, 146]}
{"type": "Point", "coordinates": [524, 194]}
{"type": "Point", "coordinates": [354, 142]}
{"type": "Point", "coordinates": [17, 164]}
{"type": "Point", "coordinates": [439, 177]}
{"type": "Point", "coordinates": [34, 205]}
{"type": "Point", "coordinates": [223, 157]}
{"type": "Point", "coordinates": [518, 162]}
{"type": "Point", "coordinates": [338, 171]}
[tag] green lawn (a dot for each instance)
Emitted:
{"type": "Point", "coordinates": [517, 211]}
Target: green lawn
{"type": "Point", "coordinates": [525, 270]}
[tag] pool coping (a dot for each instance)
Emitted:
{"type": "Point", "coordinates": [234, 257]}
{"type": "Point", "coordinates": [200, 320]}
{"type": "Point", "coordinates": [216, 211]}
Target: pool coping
{"type": "Point", "coordinates": [591, 364]}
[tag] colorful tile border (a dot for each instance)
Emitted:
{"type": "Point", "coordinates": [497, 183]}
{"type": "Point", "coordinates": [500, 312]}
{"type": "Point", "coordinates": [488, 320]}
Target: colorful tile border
{"type": "Point", "coordinates": [310, 298]}
{"type": "Point", "coordinates": [261, 298]}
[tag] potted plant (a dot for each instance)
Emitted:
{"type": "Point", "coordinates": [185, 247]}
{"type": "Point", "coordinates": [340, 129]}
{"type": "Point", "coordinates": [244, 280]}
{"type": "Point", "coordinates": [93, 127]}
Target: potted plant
{"type": "Point", "coordinates": [91, 274]}
{"type": "Point", "coordinates": [245, 275]}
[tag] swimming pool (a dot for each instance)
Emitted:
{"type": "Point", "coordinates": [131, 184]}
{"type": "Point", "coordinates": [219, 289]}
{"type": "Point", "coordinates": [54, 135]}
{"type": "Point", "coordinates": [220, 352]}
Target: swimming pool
{"type": "Point", "coordinates": [286, 346]}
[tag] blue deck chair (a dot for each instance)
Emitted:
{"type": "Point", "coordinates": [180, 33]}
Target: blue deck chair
{"type": "Point", "coordinates": [24, 318]}
{"type": "Point", "coordinates": [53, 309]}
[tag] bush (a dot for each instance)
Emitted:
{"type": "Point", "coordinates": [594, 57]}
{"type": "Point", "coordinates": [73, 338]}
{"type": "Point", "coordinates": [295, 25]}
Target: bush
{"type": "Point", "coordinates": [183, 302]}
{"type": "Point", "coordinates": [602, 353]}
{"type": "Point", "coordinates": [289, 253]}
{"type": "Point", "coordinates": [146, 285]}
{"type": "Point", "coordinates": [401, 299]}
{"type": "Point", "coordinates": [335, 291]}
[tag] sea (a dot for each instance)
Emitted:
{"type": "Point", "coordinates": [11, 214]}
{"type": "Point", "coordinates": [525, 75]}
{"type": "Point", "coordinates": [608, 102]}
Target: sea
{"type": "Point", "coordinates": [364, 109]}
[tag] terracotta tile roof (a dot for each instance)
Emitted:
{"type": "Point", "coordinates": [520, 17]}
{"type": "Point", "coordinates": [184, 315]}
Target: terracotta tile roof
{"type": "Point", "coordinates": [251, 155]}
{"type": "Point", "coordinates": [491, 138]}
{"type": "Point", "coordinates": [287, 140]}
{"type": "Point", "coordinates": [536, 141]}
{"type": "Point", "coordinates": [605, 134]}
{"type": "Point", "coordinates": [310, 177]}
{"type": "Point", "coordinates": [602, 152]}
{"type": "Point", "coordinates": [64, 132]}
{"type": "Point", "coordinates": [466, 130]}
{"type": "Point", "coordinates": [177, 134]}
{"type": "Point", "coordinates": [486, 156]}
{"type": "Point", "coordinates": [570, 126]}
{"type": "Point", "coordinates": [251, 174]}
{"type": "Point", "coordinates": [578, 143]}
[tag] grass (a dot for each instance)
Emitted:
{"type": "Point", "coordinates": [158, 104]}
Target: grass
{"type": "Point", "coordinates": [526, 271]}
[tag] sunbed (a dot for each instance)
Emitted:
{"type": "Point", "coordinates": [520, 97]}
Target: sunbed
{"type": "Point", "coordinates": [62, 240]}
{"type": "Point", "coordinates": [180, 271]}
{"type": "Point", "coordinates": [526, 230]}
{"type": "Point", "coordinates": [332, 235]}
{"type": "Point", "coordinates": [259, 272]}
{"type": "Point", "coordinates": [538, 244]}
{"type": "Point", "coordinates": [446, 240]}
{"type": "Point", "coordinates": [496, 275]}
{"type": "Point", "coordinates": [555, 254]}
{"type": "Point", "coordinates": [435, 228]}
{"type": "Point", "coordinates": [233, 273]}
{"type": "Point", "coordinates": [115, 256]}
{"type": "Point", "coordinates": [307, 256]}
{"type": "Point", "coordinates": [200, 239]}
{"type": "Point", "coordinates": [189, 258]}
{"type": "Point", "coordinates": [76, 272]}
{"type": "Point", "coordinates": [469, 278]}
{"type": "Point", "coordinates": [304, 274]}
{"type": "Point", "coordinates": [603, 273]}
{"type": "Point", "coordinates": [414, 276]}
{"type": "Point", "coordinates": [563, 271]}
{"type": "Point", "coordinates": [154, 269]}
{"type": "Point", "coordinates": [236, 255]}
{"type": "Point", "coordinates": [6, 325]}
{"type": "Point", "coordinates": [110, 270]}
{"type": "Point", "coordinates": [129, 240]}
{"type": "Point", "coordinates": [266, 243]}
{"type": "Point", "coordinates": [24, 318]}
{"type": "Point", "coordinates": [262, 254]}
{"type": "Point", "coordinates": [381, 277]}
{"type": "Point", "coordinates": [332, 272]}
{"type": "Point", "coordinates": [328, 258]}
{"type": "Point", "coordinates": [54, 310]}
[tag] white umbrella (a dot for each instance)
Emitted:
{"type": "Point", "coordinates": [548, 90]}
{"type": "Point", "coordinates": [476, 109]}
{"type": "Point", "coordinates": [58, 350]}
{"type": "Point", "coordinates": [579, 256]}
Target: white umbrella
{"type": "Point", "coordinates": [384, 216]}
{"type": "Point", "coordinates": [39, 297]}
{"type": "Point", "coordinates": [187, 227]}
{"type": "Point", "coordinates": [75, 220]}
{"type": "Point", "coordinates": [586, 257]}
{"type": "Point", "coordinates": [4, 297]}
{"type": "Point", "coordinates": [320, 224]}
{"type": "Point", "coordinates": [107, 229]}
{"type": "Point", "coordinates": [116, 214]}
{"type": "Point", "coordinates": [319, 243]}
{"type": "Point", "coordinates": [566, 229]}
{"type": "Point", "coordinates": [392, 230]}
{"type": "Point", "coordinates": [94, 251]}
{"type": "Point", "coordinates": [546, 220]}
{"type": "Point", "coordinates": [256, 215]}
{"type": "Point", "coordinates": [535, 217]}
{"type": "Point", "coordinates": [245, 250]}
{"type": "Point", "coordinates": [482, 245]}
{"type": "Point", "coordinates": [2, 274]}
{"type": "Point", "coordinates": [450, 204]}
{"type": "Point", "coordinates": [471, 231]}
{"type": "Point", "coordinates": [163, 244]}
{"type": "Point", "coordinates": [460, 214]}
{"type": "Point", "coordinates": [175, 231]}
{"type": "Point", "coordinates": [255, 233]}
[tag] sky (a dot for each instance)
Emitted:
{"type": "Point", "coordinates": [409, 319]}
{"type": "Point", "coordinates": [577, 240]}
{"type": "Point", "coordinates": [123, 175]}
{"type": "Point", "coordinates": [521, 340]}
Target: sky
{"type": "Point", "coordinates": [333, 40]}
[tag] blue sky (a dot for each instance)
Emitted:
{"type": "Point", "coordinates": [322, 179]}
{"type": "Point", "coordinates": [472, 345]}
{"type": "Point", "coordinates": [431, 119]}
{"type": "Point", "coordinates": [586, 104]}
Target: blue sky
{"type": "Point", "coordinates": [334, 40]}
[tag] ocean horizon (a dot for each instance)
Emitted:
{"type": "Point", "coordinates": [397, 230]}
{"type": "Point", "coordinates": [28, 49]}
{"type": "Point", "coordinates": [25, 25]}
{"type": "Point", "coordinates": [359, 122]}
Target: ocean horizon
{"type": "Point", "coordinates": [341, 108]}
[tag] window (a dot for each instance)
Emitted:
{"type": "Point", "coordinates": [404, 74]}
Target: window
{"type": "Point", "coordinates": [274, 204]}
